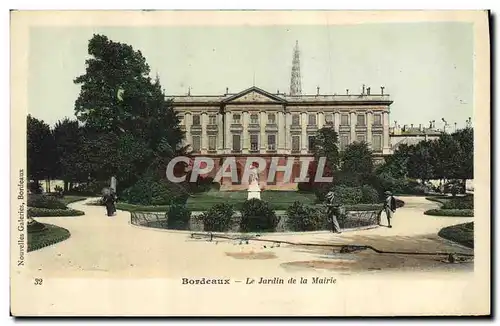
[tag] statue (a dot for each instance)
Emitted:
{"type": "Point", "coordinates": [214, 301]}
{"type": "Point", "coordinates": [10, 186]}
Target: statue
{"type": "Point", "coordinates": [253, 187]}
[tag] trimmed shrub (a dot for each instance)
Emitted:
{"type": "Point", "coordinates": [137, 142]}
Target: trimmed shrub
{"type": "Point", "coordinates": [369, 195]}
{"type": "Point", "coordinates": [49, 235]}
{"type": "Point", "coordinates": [466, 202]}
{"type": "Point", "coordinates": [45, 212]}
{"type": "Point", "coordinates": [178, 217]}
{"type": "Point", "coordinates": [257, 216]}
{"type": "Point", "coordinates": [218, 218]}
{"type": "Point", "coordinates": [345, 195]}
{"type": "Point", "coordinates": [460, 233]}
{"type": "Point", "coordinates": [303, 218]}
{"type": "Point", "coordinates": [151, 191]}
{"type": "Point", "coordinates": [35, 187]}
{"type": "Point", "coordinates": [450, 212]}
{"type": "Point", "coordinates": [44, 201]}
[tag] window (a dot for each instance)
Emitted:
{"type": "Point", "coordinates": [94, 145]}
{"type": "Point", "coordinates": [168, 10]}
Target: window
{"type": "Point", "coordinates": [236, 143]}
{"type": "Point", "coordinates": [360, 138]}
{"type": "Point", "coordinates": [271, 118]}
{"type": "Point", "coordinates": [254, 142]}
{"type": "Point", "coordinates": [377, 142]}
{"type": "Point", "coordinates": [196, 119]}
{"type": "Point", "coordinates": [311, 144]}
{"type": "Point", "coordinates": [254, 118]}
{"type": "Point", "coordinates": [361, 120]}
{"type": "Point", "coordinates": [212, 141]}
{"type": "Point", "coordinates": [377, 119]}
{"type": "Point", "coordinates": [236, 118]}
{"type": "Point", "coordinates": [295, 120]}
{"type": "Point", "coordinates": [312, 119]}
{"type": "Point", "coordinates": [295, 143]}
{"type": "Point", "coordinates": [329, 119]}
{"type": "Point", "coordinates": [271, 142]}
{"type": "Point", "coordinates": [344, 141]}
{"type": "Point", "coordinates": [344, 119]}
{"type": "Point", "coordinates": [196, 143]}
{"type": "Point", "coordinates": [212, 119]}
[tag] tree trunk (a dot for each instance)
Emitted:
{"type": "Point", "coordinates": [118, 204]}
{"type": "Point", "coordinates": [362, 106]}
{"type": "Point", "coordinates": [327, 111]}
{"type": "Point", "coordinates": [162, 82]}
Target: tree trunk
{"type": "Point", "coordinates": [66, 184]}
{"type": "Point", "coordinates": [465, 186]}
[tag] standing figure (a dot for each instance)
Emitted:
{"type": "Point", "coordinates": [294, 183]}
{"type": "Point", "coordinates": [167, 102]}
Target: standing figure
{"type": "Point", "coordinates": [389, 207]}
{"type": "Point", "coordinates": [108, 200]}
{"type": "Point", "coordinates": [333, 211]}
{"type": "Point", "coordinates": [114, 199]}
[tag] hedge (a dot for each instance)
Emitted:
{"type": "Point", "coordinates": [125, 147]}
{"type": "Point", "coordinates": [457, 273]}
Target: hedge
{"type": "Point", "coordinates": [450, 212]}
{"type": "Point", "coordinates": [44, 201]}
{"type": "Point", "coordinates": [44, 212]}
{"type": "Point", "coordinates": [50, 235]}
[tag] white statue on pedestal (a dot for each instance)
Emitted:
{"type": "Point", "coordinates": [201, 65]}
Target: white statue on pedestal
{"type": "Point", "coordinates": [253, 187]}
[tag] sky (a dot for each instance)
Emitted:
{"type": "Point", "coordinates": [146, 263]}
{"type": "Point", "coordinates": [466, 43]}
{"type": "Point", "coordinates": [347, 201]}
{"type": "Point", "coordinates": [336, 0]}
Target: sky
{"type": "Point", "coordinates": [427, 68]}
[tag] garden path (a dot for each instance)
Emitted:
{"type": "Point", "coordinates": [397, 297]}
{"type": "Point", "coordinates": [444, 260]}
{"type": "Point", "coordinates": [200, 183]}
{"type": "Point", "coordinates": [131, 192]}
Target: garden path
{"type": "Point", "coordinates": [110, 246]}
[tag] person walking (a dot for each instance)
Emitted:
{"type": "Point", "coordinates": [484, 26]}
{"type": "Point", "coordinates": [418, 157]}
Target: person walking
{"type": "Point", "coordinates": [389, 207]}
{"type": "Point", "coordinates": [333, 211]}
{"type": "Point", "coordinates": [108, 200]}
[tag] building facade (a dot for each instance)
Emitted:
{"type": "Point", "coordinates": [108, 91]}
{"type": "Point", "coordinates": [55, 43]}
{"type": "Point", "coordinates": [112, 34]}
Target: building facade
{"type": "Point", "coordinates": [255, 122]}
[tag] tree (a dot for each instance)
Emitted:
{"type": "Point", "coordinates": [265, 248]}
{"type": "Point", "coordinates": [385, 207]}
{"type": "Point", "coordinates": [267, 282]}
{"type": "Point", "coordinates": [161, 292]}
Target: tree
{"type": "Point", "coordinates": [357, 164]}
{"type": "Point", "coordinates": [465, 139]}
{"type": "Point", "coordinates": [68, 137]}
{"type": "Point", "coordinates": [125, 112]}
{"type": "Point", "coordinates": [421, 162]}
{"type": "Point", "coordinates": [40, 150]}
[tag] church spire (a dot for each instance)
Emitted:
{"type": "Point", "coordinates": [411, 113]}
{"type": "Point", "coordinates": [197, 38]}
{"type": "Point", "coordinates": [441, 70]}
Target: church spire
{"type": "Point", "coordinates": [295, 82]}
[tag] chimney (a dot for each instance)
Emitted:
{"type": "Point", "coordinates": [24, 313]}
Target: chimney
{"type": "Point", "coordinates": [420, 127]}
{"type": "Point", "coordinates": [382, 90]}
{"type": "Point", "coordinates": [363, 91]}
{"type": "Point", "coordinates": [368, 91]}
{"type": "Point", "coordinates": [227, 90]}
{"type": "Point", "coordinates": [317, 90]}
{"type": "Point", "coordinates": [347, 91]}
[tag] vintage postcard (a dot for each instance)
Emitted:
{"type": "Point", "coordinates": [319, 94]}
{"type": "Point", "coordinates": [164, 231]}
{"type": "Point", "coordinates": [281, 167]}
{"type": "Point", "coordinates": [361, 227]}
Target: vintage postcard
{"type": "Point", "coordinates": [250, 163]}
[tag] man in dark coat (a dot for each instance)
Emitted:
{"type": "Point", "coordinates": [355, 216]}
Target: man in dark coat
{"type": "Point", "coordinates": [389, 207]}
{"type": "Point", "coordinates": [333, 211]}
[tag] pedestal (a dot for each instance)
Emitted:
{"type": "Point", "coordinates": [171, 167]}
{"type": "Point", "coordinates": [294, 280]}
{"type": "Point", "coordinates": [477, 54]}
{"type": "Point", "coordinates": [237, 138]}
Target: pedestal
{"type": "Point", "coordinates": [253, 191]}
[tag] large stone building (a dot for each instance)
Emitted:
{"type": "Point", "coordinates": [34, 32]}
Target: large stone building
{"type": "Point", "coordinates": [254, 122]}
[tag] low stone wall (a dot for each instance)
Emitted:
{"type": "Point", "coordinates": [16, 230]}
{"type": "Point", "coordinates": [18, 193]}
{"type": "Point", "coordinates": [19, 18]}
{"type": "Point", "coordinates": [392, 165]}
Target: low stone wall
{"type": "Point", "coordinates": [352, 220]}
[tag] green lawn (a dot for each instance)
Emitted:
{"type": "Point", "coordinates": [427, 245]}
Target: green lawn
{"type": "Point", "coordinates": [42, 235]}
{"type": "Point", "coordinates": [278, 200]}
{"type": "Point", "coordinates": [71, 199]}
{"type": "Point", "coordinates": [460, 233]}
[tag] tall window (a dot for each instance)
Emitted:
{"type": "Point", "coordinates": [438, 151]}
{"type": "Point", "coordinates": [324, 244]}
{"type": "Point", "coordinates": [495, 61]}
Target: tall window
{"type": "Point", "coordinates": [196, 143]}
{"type": "Point", "coordinates": [344, 141]}
{"type": "Point", "coordinates": [196, 119]}
{"type": "Point", "coordinates": [377, 119]}
{"type": "Point", "coordinates": [236, 143]}
{"type": "Point", "coordinates": [212, 143]}
{"type": "Point", "coordinates": [377, 142]}
{"type": "Point", "coordinates": [271, 118]}
{"type": "Point", "coordinates": [236, 118]}
{"type": "Point", "coordinates": [360, 138]}
{"type": "Point", "coordinates": [212, 119]}
{"type": "Point", "coordinates": [271, 142]}
{"type": "Point", "coordinates": [254, 142]}
{"type": "Point", "coordinates": [295, 143]}
{"type": "Point", "coordinates": [295, 119]}
{"type": "Point", "coordinates": [311, 143]}
{"type": "Point", "coordinates": [254, 118]}
{"type": "Point", "coordinates": [312, 119]}
{"type": "Point", "coordinates": [361, 120]}
{"type": "Point", "coordinates": [344, 119]}
{"type": "Point", "coordinates": [329, 118]}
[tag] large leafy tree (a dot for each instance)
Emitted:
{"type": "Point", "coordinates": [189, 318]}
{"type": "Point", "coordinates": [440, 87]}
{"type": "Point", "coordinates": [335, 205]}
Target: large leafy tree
{"type": "Point", "coordinates": [41, 156]}
{"type": "Point", "coordinates": [130, 126]}
{"type": "Point", "coordinates": [421, 163]}
{"type": "Point", "coordinates": [68, 137]}
{"type": "Point", "coordinates": [357, 164]}
{"type": "Point", "coordinates": [465, 139]}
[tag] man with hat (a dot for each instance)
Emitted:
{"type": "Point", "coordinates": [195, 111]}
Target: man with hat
{"type": "Point", "coordinates": [333, 211]}
{"type": "Point", "coordinates": [389, 207]}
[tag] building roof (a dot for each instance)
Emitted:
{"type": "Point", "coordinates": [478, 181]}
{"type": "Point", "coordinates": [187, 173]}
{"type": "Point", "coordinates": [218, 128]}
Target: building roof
{"type": "Point", "coordinates": [255, 94]}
